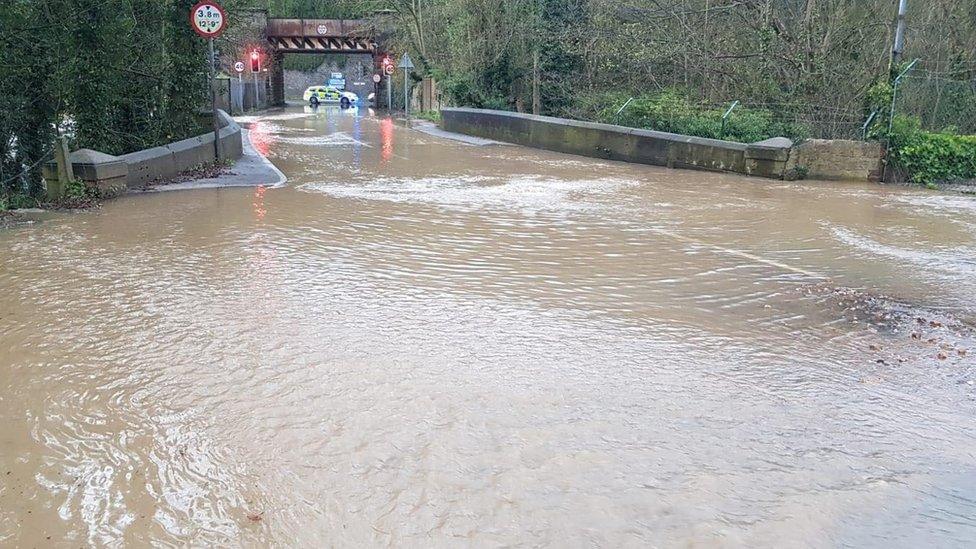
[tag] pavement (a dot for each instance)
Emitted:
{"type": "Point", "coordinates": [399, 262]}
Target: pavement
{"type": "Point", "coordinates": [431, 129]}
{"type": "Point", "coordinates": [251, 170]}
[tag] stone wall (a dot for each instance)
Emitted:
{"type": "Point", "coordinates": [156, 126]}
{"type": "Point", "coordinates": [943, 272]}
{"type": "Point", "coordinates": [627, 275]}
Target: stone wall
{"type": "Point", "coordinates": [167, 162]}
{"type": "Point", "coordinates": [764, 159]}
{"type": "Point", "coordinates": [112, 175]}
{"type": "Point", "coordinates": [840, 160]}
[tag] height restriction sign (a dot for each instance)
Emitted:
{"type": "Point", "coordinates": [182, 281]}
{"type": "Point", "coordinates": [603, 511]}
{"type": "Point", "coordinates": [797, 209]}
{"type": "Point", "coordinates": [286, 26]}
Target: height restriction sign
{"type": "Point", "coordinates": [208, 19]}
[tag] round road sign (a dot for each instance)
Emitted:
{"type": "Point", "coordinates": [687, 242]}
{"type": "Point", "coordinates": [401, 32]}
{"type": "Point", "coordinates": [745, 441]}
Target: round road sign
{"type": "Point", "coordinates": [377, 78]}
{"type": "Point", "coordinates": [322, 29]}
{"type": "Point", "coordinates": [208, 19]}
{"type": "Point", "coordinates": [239, 66]}
{"type": "Point", "coordinates": [389, 69]}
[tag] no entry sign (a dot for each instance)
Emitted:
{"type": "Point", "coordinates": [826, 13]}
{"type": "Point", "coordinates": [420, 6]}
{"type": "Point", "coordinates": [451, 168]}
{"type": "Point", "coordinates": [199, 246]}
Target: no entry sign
{"type": "Point", "coordinates": [208, 19]}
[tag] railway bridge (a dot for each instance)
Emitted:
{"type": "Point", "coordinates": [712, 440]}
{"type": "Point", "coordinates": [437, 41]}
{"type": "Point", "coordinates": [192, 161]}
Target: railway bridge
{"type": "Point", "coordinates": [316, 36]}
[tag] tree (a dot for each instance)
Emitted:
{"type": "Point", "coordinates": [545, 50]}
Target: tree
{"type": "Point", "coordinates": [115, 75]}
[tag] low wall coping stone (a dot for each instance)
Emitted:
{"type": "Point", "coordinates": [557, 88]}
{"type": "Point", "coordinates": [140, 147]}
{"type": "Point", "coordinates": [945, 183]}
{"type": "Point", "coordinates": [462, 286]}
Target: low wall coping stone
{"type": "Point", "coordinates": [146, 154]}
{"type": "Point", "coordinates": [92, 165]}
{"type": "Point", "coordinates": [775, 142]}
{"type": "Point", "coordinates": [766, 159]}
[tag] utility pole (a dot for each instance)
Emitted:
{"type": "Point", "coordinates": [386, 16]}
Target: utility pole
{"type": "Point", "coordinates": [899, 46]}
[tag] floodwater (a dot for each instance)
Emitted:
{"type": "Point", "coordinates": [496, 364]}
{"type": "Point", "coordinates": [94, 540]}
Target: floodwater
{"type": "Point", "coordinates": [418, 342]}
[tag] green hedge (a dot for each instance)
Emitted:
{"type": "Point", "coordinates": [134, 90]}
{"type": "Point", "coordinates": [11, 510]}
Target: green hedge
{"type": "Point", "coordinates": [671, 111]}
{"type": "Point", "coordinates": [929, 157]}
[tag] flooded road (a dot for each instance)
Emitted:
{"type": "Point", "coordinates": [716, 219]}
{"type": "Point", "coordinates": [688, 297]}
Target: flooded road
{"type": "Point", "coordinates": [417, 342]}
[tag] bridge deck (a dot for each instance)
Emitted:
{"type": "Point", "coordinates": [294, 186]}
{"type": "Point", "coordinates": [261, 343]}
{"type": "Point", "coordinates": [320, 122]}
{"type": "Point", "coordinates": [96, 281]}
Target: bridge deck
{"type": "Point", "coordinates": [315, 28]}
{"type": "Point", "coordinates": [321, 35]}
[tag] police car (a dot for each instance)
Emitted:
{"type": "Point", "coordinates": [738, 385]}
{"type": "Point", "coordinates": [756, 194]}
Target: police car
{"type": "Point", "coordinates": [329, 94]}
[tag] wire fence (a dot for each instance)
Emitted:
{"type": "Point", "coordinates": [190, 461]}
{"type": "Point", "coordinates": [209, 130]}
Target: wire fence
{"type": "Point", "coordinates": [815, 121]}
{"type": "Point", "coordinates": [941, 101]}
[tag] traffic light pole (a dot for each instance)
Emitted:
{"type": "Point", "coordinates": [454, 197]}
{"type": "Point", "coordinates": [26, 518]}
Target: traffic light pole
{"type": "Point", "coordinates": [389, 92]}
{"type": "Point", "coordinates": [213, 101]}
{"type": "Point", "coordinates": [257, 96]}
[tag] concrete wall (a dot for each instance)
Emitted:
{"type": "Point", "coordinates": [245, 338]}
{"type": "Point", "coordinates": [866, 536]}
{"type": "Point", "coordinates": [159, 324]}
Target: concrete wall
{"type": "Point", "coordinates": [167, 162]}
{"type": "Point", "coordinates": [112, 175]}
{"type": "Point", "coordinates": [840, 160]}
{"type": "Point", "coordinates": [764, 159]}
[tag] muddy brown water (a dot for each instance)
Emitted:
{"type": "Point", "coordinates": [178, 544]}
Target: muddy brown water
{"type": "Point", "coordinates": [416, 342]}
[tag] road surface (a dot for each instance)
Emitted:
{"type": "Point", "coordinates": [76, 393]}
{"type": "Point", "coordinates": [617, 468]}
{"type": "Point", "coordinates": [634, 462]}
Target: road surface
{"type": "Point", "coordinates": [419, 342]}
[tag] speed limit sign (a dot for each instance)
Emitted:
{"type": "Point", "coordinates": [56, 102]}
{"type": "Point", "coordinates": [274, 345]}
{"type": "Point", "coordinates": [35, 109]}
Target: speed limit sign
{"type": "Point", "coordinates": [389, 69]}
{"type": "Point", "coordinates": [377, 78]}
{"type": "Point", "coordinates": [208, 19]}
{"type": "Point", "coordinates": [239, 66]}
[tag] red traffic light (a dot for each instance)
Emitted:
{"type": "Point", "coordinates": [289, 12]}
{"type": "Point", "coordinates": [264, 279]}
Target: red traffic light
{"type": "Point", "coordinates": [255, 61]}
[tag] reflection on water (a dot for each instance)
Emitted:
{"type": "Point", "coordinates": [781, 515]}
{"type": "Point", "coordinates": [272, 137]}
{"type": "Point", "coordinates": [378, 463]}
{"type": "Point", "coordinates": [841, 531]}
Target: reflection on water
{"type": "Point", "coordinates": [386, 138]}
{"type": "Point", "coordinates": [259, 132]}
{"type": "Point", "coordinates": [424, 343]}
{"type": "Point", "coordinates": [259, 209]}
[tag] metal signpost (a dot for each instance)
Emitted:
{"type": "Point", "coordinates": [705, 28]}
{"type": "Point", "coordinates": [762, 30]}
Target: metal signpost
{"type": "Point", "coordinates": [237, 99]}
{"type": "Point", "coordinates": [406, 64]}
{"type": "Point", "coordinates": [376, 89]}
{"type": "Point", "coordinates": [209, 20]}
{"type": "Point", "coordinates": [388, 69]}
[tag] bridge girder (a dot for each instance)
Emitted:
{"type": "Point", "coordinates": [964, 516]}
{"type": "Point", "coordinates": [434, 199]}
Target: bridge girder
{"type": "Point", "coordinates": [321, 36]}
{"type": "Point", "coordinates": [298, 44]}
